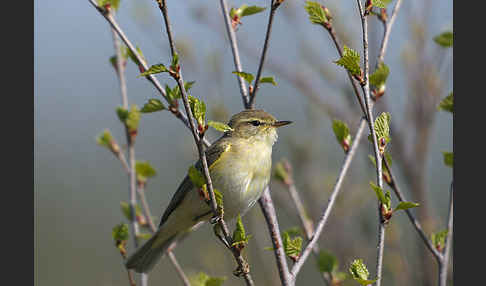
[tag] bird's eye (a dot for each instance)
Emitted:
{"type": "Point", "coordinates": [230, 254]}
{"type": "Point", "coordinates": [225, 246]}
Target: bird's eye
{"type": "Point", "coordinates": [255, 123]}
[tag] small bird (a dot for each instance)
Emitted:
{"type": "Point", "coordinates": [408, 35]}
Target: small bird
{"type": "Point", "coordinates": [239, 164]}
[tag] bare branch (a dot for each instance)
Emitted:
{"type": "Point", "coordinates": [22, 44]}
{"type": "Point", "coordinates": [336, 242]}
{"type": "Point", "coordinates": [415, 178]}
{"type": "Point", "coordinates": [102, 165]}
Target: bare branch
{"type": "Point", "coordinates": [444, 263]}
{"type": "Point", "coordinates": [234, 49]}
{"type": "Point", "coordinates": [273, 8]}
{"type": "Point", "coordinates": [332, 199]}
{"type": "Point", "coordinates": [386, 33]}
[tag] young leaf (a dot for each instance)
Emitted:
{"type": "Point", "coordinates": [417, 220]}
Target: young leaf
{"type": "Point", "coordinates": [120, 232]}
{"type": "Point", "coordinates": [268, 79]}
{"type": "Point", "coordinates": [154, 69]}
{"type": "Point", "coordinates": [326, 262]}
{"type": "Point", "coordinates": [239, 235]}
{"type": "Point", "coordinates": [281, 172]}
{"type": "Point", "coordinates": [127, 53]}
{"type": "Point", "coordinates": [202, 279]}
{"type": "Point", "coordinates": [381, 3]}
{"type": "Point", "coordinates": [448, 159]}
{"type": "Point", "coordinates": [114, 4]}
{"type": "Point", "coordinates": [438, 239]}
{"type": "Point", "coordinates": [341, 131]}
{"type": "Point", "coordinates": [316, 12]}
{"type": "Point", "coordinates": [359, 272]}
{"type": "Point", "coordinates": [250, 10]}
{"type": "Point", "coordinates": [196, 177]}
{"type": "Point", "coordinates": [152, 105]}
{"type": "Point", "coordinates": [125, 207]}
{"type": "Point", "coordinates": [246, 76]}
{"type": "Point", "coordinates": [220, 126]}
{"type": "Point", "coordinates": [218, 196]}
{"type": "Point", "coordinates": [447, 104]}
{"type": "Point", "coordinates": [198, 108]}
{"type": "Point", "coordinates": [105, 139]}
{"type": "Point", "coordinates": [445, 39]}
{"type": "Point", "coordinates": [382, 197]}
{"type": "Point", "coordinates": [382, 126]}
{"type": "Point", "coordinates": [113, 62]}
{"type": "Point", "coordinates": [144, 171]}
{"type": "Point", "coordinates": [378, 78]}
{"type": "Point", "coordinates": [145, 235]}
{"type": "Point", "coordinates": [175, 61]}
{"type": "Point", "coordinates": [133, 118]}
{"type": "Point", "coordinates": [292, 247]}
{"type": "Point", "coordinates": [122, 114]}
{"type": "Point", "coordinates": [350, 61]}
{"type": "Point", "coordinates": [406, 205]}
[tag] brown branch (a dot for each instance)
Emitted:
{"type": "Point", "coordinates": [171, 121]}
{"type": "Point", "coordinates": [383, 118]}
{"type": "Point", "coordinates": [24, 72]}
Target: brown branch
{"type": "Point", "coordinates": [444, 263]}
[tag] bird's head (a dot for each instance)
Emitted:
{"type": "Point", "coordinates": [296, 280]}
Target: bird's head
{"type": "Point", "coordinates": [256, 125]}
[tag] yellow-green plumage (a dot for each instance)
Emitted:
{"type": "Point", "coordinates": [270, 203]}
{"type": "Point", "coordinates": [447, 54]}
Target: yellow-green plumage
{"type": "Point", "coordinates": [240, 167]}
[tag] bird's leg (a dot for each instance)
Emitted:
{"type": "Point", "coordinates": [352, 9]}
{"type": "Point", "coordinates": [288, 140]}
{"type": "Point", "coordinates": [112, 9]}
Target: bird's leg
{"type": "Point", "coordinates": [244, 269]}
{"type": "Point", "coordinates": [219, 235]}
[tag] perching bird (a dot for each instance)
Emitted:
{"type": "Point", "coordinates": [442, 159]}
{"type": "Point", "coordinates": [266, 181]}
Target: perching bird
{"type": "Point", "coordinates": [240, 168]}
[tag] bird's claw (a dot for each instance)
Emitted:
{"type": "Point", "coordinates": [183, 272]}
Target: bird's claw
{"type": "Point", "coordinates": [241, 270]}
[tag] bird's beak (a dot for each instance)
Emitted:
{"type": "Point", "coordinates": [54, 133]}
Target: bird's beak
{"type": "Point", "coordinates": [281, 123]}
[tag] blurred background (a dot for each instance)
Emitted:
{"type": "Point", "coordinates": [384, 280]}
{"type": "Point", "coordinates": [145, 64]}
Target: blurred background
{"type": "Point", "coordinates": [79, 186]}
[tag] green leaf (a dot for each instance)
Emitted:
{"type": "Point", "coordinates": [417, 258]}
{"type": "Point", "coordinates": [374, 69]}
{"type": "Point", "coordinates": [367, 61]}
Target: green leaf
{"type": "Point", "coordinates": [341, 131]}
{"type": "Point", "coordinates": [175, 61]}
{"type": "Point", "coordinates": [448, 159]}
{"type": "Point", "coordinates": [316, 12]}
{"type": "Point", "coordinates": [127, 53]}
{"type": "Point", "coordinates": [326, 262]}
{"type": "Point", "coordinates": [144, 171]}
{"type": "Point", "coordinates": [220, 126]}
{"type": "Point", "coordinates": [198, 108]}
{"type": "Point", "coordinates": [196, 177]}
{"type": "Point", "coordinates": [378, 78]}
{"type": "Point", "coordinates": [381, 3]}
{"type": "Point", "coordinates": [281, 173]}
{"type": "Point", "coordinates": [152, 105]}
{"type": "Point", "coordinates": [246, 76]}
{"type": "Point", "coordinates": [383, 197]}
{"type": "Point", "coordinates": [387, 157]}
{"type": "Point", "coordinates": [133, 118]}
{"type": "Point", "coordinates": [292, 247]}
{"type": "Point", "coordinates": [382, 126]}
{"type": "Point", "coordinates": [359, 272]}
{"type": "Point", "coordinates": [406, 205]}
{"type": "Point", "coordinates": [350, 61]}
{"type": "Point", "coordinates": [445, 39]}
{"type": "Point", "coordinates": [438, 239]}
{"type": "Point", "coordinates": [114, 4]}
{"type": "Point", "coordinates": [122, 114]}
{"type": "Point", "coordinates": [202, 279]}
{"type": "Point", "coordinates": [268, 79]}
{"type": "Point", "coordinates": [251, 10]}
{"type": "Point", "coordinates": [113, 61]}
{"type": "Point", "coordinates": [105, 139]}
{"type": "Point", "coordinates": [145, 235]}
{"type": "Point", "coordinates": [154, 69]}
{"type": "Point", "coordinates": [125, 207]}
{"type": "Point", "coordinates": [447, 104]}
{"type": "Point", "coordinates": [120, 232]}
{"type": "Point", "coordinates": [219, 199]}
{"type": "Point", "coordinates": [239, 235]}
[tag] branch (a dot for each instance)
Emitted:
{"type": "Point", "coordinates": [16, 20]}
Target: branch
{"type": "Point", "coordinates": [332, 199]}
{"type": "Point", "coordinates": [444, 263]}
{"type": "Point", "coordinates": [150, 78]}
{"type": "Point", "coordinates": [243, 266]}
{"type": "Point", "coordinates": [270, 215]}
{"type": "Point", "coordinates": [273, 8]}
{"type": "Point", "coordinates": [234, 50]}
{"type": "Point", "coordinates": [387, 29]}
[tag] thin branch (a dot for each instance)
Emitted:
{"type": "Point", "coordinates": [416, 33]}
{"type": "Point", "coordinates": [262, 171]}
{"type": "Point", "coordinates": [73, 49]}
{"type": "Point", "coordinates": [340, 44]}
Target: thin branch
{"type": "Point", "coordinates": [178, 268]}
{"type": "Point", "coordinates": [444, 263]}
{"type": "Point", "coordinates": [234, 49]}
{"type": "Point", "coordinates": [386, 33]}
{"type": "Point", "coordinates": [270, 215]}
{"type": "Point", "coordinates": [243, 266]}
{"type": "Point", "coordinates": [332, 199]}
{"type": "Point", "coordinates": [394, 185]}
{"type": "Point", "coordinates": [274, 5]}
{"type": "Point", "coordinates": [120, 69]}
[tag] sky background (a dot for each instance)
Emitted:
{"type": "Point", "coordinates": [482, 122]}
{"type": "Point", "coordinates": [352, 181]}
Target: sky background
{"type": "Point", "coordinates": [78, 185]}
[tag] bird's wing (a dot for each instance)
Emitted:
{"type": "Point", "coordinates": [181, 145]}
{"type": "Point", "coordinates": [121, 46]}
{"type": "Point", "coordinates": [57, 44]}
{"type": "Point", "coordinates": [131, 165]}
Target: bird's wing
{"type": "Point", "coordinates": [213, 153]}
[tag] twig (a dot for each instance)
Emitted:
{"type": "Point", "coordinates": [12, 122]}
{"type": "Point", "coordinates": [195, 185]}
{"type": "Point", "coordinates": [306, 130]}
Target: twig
{"type": "Point", "coordinates": [234, 49]}
{"type": "Point", "coordinates": [268, 210]}
{"type": "Point", "coordinates": [387, 29]}
{"type": "Point", "coordinates": [444, 263]}
{"type": "Point", "coordinates": [325, 215]}
{"type": "Point", "coordinates": [202, 155]}
{"type": "Point", "coordinates": [273, 8]}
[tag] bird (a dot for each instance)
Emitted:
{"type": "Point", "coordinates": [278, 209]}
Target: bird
{"type": "Point", "coordinates": [239, 164]}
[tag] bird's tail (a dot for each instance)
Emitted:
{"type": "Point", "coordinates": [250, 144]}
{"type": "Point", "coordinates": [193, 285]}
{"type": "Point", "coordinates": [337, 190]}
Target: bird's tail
{"type": "Point", "coordinates": [145, 258]}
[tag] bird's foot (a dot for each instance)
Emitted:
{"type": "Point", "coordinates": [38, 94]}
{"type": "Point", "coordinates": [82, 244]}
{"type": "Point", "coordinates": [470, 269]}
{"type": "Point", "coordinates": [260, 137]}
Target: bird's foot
{"type": "Point", "coordinates": [241, 270]}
